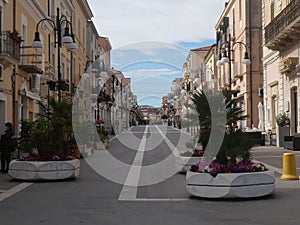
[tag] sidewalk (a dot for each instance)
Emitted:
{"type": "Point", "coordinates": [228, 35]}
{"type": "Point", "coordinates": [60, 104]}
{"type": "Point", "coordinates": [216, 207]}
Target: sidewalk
{"type": "Point", "coordinates": [272, 156]}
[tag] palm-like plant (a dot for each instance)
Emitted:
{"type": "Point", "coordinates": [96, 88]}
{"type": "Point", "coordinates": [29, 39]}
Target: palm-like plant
{"type": "Point", "coordinates": [52, 132]}
{"type": "Point", "coordinates": [235, 144]}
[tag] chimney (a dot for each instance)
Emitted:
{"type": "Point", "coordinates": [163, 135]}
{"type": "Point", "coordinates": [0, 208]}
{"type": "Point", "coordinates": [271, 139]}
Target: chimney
{"type": "Point", "coordinates": [226, 4]}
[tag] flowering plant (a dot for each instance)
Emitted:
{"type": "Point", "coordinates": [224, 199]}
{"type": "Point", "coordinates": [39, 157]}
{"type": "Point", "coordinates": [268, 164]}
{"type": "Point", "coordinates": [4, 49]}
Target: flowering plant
{"type": "Point", "coordinates": [198, 153]}
{"type": "Point", "coordinates": [195, 153]}
{"type": "Point", "coordinates": [282, 120]}
{"type": "Point", "coordinates": [214, 168]}
{"type": "Point", "coordinates": [46, 158]}
{"type": "Point", "coordinates": [100, 122]}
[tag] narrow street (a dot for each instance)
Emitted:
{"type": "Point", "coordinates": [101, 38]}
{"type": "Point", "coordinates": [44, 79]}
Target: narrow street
{"type": "Point", "coordinates": [93, 199]}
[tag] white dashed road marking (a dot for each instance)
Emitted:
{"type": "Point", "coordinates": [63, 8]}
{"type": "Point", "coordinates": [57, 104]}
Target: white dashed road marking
{"type": "Point", "coordinates": [8, 193]}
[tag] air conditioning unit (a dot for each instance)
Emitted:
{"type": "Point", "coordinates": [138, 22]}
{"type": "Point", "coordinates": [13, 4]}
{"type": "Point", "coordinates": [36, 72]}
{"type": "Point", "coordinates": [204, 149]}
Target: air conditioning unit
{"type": "Point", "coordinates": [1, 72]}
{"type": "Point", "coordinates": [260, 92]}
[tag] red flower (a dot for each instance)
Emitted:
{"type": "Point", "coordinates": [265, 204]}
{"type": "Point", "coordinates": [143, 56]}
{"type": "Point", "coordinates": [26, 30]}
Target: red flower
{"type": "Point", "coordinates": [100, 122]}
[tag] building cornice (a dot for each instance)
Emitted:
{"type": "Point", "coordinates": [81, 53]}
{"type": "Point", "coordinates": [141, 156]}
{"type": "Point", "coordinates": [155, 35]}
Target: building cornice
{"type": "Point", "coordinates": [86, 9]}
{"type": "Point", "coordinates": [37, 12]}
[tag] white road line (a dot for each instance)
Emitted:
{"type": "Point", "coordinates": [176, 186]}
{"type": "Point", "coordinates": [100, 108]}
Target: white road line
{"type": "Point", "coordinates": [129, 190]}
{"type": "Point", "coordinates": [14, 190]}
{"type": "Point", "coordinates": [168, 142]}
{"type": "Point", "coordinates": [160, 199]}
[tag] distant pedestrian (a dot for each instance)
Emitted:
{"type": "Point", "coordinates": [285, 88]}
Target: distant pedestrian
{"type": "Point", "coordinates": [5, 147]}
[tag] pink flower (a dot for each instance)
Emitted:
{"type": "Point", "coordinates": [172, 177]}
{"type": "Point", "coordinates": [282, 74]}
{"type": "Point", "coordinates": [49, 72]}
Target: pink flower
{"type": "Point", "coordinates": [100, 122]}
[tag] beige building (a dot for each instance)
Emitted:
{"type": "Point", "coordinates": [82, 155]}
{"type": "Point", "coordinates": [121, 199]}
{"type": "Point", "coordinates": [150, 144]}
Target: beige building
{"type": "Point", "coordinates": [26, 71]}
{"type": "Point", "coordinates": [209, 70]}
{"type": "Point", "coordinates": [239, 31]}
{"type": "Point", "coordinates": [281, 28]}
{"type": "Point", "coordinates": [9, 59]}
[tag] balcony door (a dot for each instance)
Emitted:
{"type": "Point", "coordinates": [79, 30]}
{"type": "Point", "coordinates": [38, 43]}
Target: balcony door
{"type": "Point", "coordinates": [274, 108]}
{"type": "Point", "coordinates": [2, 112]}
{"type": "Point", "coordinates": [294, 107]}
{"type": "Point", "coordinates": [1, 29]}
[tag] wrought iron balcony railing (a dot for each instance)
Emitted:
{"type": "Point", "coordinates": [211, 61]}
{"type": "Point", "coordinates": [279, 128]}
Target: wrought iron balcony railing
{"type": "Point", "coordinates": [9, 47]}
{"type": "Point", "coordinates": [290, 16]}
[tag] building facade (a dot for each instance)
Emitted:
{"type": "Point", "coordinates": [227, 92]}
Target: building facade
{"type": "Point", "coordinates": [281, 28]}
{"type": "Point", "coordinates": [238, 31]}
{"type": "Point", "coordinates": [30, 74]}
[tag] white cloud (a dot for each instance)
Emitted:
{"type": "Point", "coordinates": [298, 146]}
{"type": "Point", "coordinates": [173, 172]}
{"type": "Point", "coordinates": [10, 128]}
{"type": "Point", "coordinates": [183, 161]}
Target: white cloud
{"type": "Point", "coordinates": [150, 72]}
{"type": "Point", "coordinates": [154, 51]}
{"type": "Point", "coordinates": [125, 21]}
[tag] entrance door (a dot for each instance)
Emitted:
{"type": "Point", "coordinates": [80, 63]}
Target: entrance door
{"type": "Point", "coordinates": [274, 113]}
{"type": "Point", "coordinates": [2, 115]}
{"type": "Point", "coordinates": [295, 110]}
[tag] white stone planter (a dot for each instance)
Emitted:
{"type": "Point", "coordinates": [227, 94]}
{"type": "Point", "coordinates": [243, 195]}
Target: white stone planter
{"type": "Point", "coordinates": [50, 170]}
{"type": "Point", "coordinates": [184, 163]}
{"type": "Point", "coordinates": [231, 185]}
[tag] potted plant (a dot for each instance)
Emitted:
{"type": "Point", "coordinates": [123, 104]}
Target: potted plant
{"type": "Point", "coordinates": [232, 172]}
{"type": "Point", "coordinates": [51, 85]}
{"type": "Point", "coordinates": [63, 85]}
{"type": "Point", "coordinates": [102, 133]}
{"type": "Point", "coordinates": [49, 143]}
{"type": "Point", "coordinates": [283, 128]}
{"type": "Point", "coordinates": [14, 35]}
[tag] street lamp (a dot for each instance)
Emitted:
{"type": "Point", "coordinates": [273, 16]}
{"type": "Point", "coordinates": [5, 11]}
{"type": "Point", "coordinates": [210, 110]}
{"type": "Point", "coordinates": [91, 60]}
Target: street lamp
{"type": "Point", "coordinates": [67, 38]}
{"type": "Point", "coordinates": [112, 86]}
{"type": "Point", "coordinates": [227, 58]}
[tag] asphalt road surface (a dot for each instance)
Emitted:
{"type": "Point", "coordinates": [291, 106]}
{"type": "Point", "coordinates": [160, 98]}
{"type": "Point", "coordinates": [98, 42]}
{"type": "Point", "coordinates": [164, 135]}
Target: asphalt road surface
{"type": "Point", "coordinates": [94, 198]}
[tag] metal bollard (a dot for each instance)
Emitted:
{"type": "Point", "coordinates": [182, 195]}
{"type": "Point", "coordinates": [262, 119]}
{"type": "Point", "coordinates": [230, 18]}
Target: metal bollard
{"type": "Point", "coordinates": [289, 171]}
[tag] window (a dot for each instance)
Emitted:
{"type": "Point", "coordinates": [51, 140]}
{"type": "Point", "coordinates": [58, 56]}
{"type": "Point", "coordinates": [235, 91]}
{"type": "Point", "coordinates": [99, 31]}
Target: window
{"type": "Point", "coordinates": [240, 9]}
{"type": "Point", "coordinates": [272, 10]}
{"type": "Point", "coordinates": [74, 70]}
{"type": "Point", "coordinates": [233, 22]}
{"type": "Point", "coordinates": [24, 107]}
{"type": "Point", "coordinates": [52, 12]}
{"type": "Point", "coordinates": [63, 67]}
{"type": "Point", "coordinates": [83, 37]}
{"type": "Point", "coordinates": [79, 69]}
{"type": "Point", "coordinates": [35, 82]}
{"type": "Point", "coordinates": [0, 29]}
{"type": "Point", "coordinates": [236, 64]}
{"type": "Point", "coordinates": [53, 63]}
{"type": "Point", "coordinates": [74, 22]}
{"type": "Point", "coordinates": [24, 37]}
{"type": "Point", "coordinates": [79, 29]}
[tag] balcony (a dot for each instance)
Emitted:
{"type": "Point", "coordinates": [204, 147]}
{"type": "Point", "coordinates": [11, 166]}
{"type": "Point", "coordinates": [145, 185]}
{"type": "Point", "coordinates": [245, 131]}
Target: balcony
{"type": "Point", "coordinates": [284, 29]}
{"type": "Point", "coordinates": [9, 48]}
{"type": "Point", "coordinates": [32, 60]}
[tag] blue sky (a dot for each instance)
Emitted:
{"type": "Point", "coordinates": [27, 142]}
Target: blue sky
{"type": "Point", "coordinates": [151, 38]}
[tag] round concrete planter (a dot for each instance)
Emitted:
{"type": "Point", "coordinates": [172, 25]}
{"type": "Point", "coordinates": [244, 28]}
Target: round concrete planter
{"type": "Point", "coordinates": [49, 170]}
{"type": "Point", "coordinates": [184, 163]}
{"type": "Point", "coordinates": [231, 185]}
